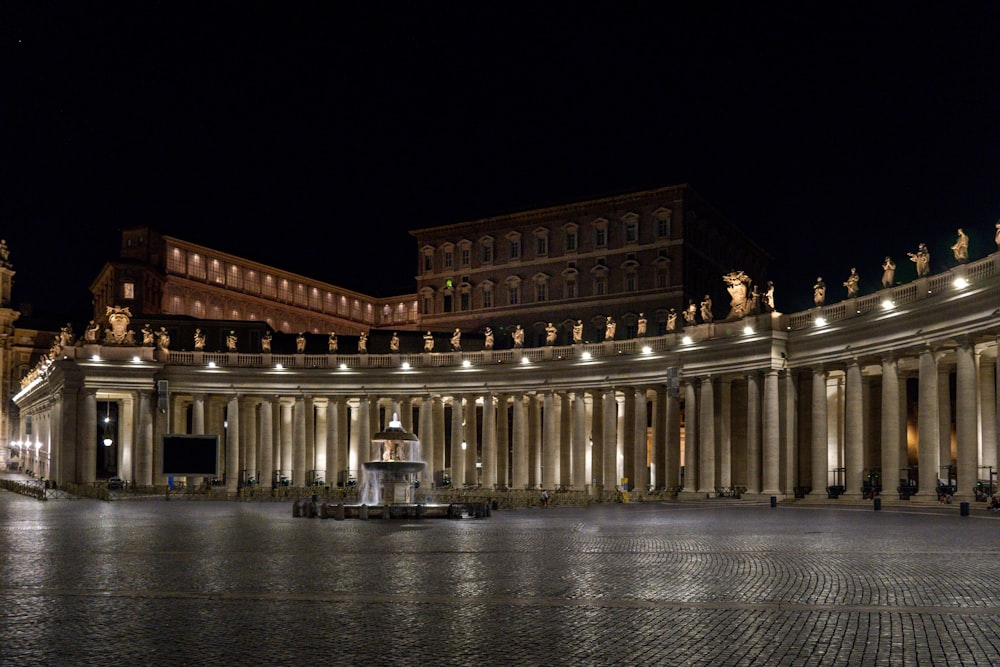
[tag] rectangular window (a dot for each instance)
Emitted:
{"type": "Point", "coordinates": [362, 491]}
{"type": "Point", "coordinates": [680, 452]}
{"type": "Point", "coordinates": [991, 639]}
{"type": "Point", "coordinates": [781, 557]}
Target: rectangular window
{"type": "Point", "coordinates": [570, 241]}
{"type": "Point", "coordinates": [487, 299]}
{"type": "Point", "coordinates": [571, 289]}
{"type": "Point", "coordinates": [630, 282]}
{"type": "Point", "coordinates": [631, 232]}
{"type": "Point", "coordinates": [464, 301]}
{"type": "Point", "coordinates": [129, 290]}
{"type": "Point", "coordinates": [487, 254]}
{"type": "Point", "coordinates": [542, 245]}
{"type": "Point", "coordinates": [663, 227]}
{"type": "Point", "coordinates": [428, 263]}
{"type": "Point", "coordinates": [426, 305]}
{"type": "Point", "coordinates": [541, 292]}
{"type": "Point", "coordinates": [599, 287]}
{"type": "Point", "coordinates": [514, 296]}
{"type": "Point", "coordinates": [448, 259]}
{"type": "Point", "coordinates": [600, 237]}
{"type": "Point", "coordinates": [515, 249]}
{"type": "Point", "coordinates": [465, 256]}
{"type": "Point", "coordinates": [661, 279]}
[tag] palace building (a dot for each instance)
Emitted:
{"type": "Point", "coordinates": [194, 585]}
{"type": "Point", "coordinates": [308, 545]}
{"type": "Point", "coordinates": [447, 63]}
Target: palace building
{"type": "Point", "coordinates": [892, 392]}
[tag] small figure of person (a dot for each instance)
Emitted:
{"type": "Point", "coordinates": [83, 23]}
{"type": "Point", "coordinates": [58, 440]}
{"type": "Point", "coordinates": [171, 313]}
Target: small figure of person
{"type": "Point", "coordinates": [265, 342]}
{"type": "Point", "coordinates": [853, 284]}
{"type": "Point", "coordinates": [163, 339]}
{"type": "Point", "coordinates": [672, 320]}
{"type": "Point", "coordinates": [691, 312]}
{"type": "Point", "coordinates": [90, 333]}
{"type": "Point", "coordinates": [394, 342]}
{"type": "Point", "coordinates": [518, 336]}
{"type": "Point", "coordinates": [331, 342]}
{"type": "Point", "coordinates": [363, 342]}
{"type": "Point", "coordinates": [488, 340]}
{"type": "Point", "coordinates": [578, 332]}
{"type": "Point", "coordinates": [300, 342]}
{"type": "Point", "coordinates": [922, 258]}
{"type": "Point", "coordinates": [456, 340]}
{"type": "Point", "coordinates": [819, 292]}
{"type": "Point", "coordinates": [888, 272]}
{"type": "Point", "coordinates": [231, 341]}
{"type": "Point", "coordinates": [610, 326]}
{"type": "Point", "coordinates": [428, 342]}
{"type": "Point", "coordinates": [961, 247]}
{"type": "Point", "coordinates": [550, 334]}
{"type": "Point", "coordinates": [706, 309]}
{"type": "Point", "coordinates": [148, 337]}
{"type": "Point", "coordinates": [769, 297]}
{"type": "Point", "coordinates": [199, 339]}
{"type": "Point", "coordinates": [543, 499]}
{"type": "Point", "coordinates": [640, 325]}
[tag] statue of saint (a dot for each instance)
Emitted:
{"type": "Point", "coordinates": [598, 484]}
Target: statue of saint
{"type": "Point", "coordinates": [922, 258]}
{"type": "Point", "coordinates": [518, 336]}
{"type": "Point", "coordinates": [300, 342]}
{"type": "Point", "coordinates": [672, 320]}
{"type": "Point", "coordinates": [428, 342]}
{"type": "Point", "coordinates": [706, 309]}
{"type": "Point", "coordinates": [888, 272]}
{"type": "Point", "coordinates": [610, 326]}
{"type": "Point", "coordinates": [91, 332]}
{"type": "Point", "coordinates": [363, 342]}
{"type": "Point", "coordinates": [769, 297]}
{"type": "Point", "coordinates": [163, 339]}
{"type": "Point", "coordinates": [265, 342]}
{"type": "Point", "coordinates": [199, 339]}
{"type": "Point", "coordinates": [578, 332]}
{"type": "Point", "coordinates": [456, 340]}
{"type": "Point", "coordinates": [550, 334]}
{"type": "Point", "coordinates": [691, 312]}
{"type": "Point", "coordinates": [640, 327]}
{"type": "Point", "coordinates": [736, 285]}
{"type": "Point", "coordinates": [488, 342]}
{"type": "Point", "coordinates": [961, 247]}
{"type": "Point", "coordinates": [853, 284]}
{"type": "Point", "coordinates": [231, 341]}
{"type": "Point", "coordinates": [148, 337]}
{"type": "Point", "coordinates": [996, 238]}
{"type": "Point", "coordinates": [394, 342]}
{"type": "Point", "coordinates": [66, 335]}
{"type": "Point", "coordinates": [331, 342]}
{"type": "Point", "coordinates": [819, 292]}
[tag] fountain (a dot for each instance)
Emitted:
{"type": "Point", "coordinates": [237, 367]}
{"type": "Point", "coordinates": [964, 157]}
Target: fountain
{"type": "Point", "coordinates": [390, 481]}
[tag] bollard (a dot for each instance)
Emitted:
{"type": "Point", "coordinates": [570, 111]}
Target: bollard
{"type": "Point", "coordinates": [963, 509]}
{"type": "Point", "coordinates": [774, 501]}
{"type": "Point", "coordinates": [878, 504]}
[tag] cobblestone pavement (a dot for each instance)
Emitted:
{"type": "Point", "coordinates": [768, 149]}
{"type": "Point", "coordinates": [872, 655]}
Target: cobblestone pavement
{"type": "Point", "coordinates": [87, 582]}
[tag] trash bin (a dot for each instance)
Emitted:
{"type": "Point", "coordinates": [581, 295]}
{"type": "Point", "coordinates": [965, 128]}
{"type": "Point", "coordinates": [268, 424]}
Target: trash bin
{"type": "Point", "coordinates": [963, 509]}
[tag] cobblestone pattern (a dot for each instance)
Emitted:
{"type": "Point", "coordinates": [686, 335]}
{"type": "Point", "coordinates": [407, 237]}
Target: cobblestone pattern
{"type": "Point", "coordinates": [161, 583]}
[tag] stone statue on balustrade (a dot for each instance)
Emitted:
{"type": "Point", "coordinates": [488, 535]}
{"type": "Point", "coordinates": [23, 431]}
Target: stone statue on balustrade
{"type": "Point", "coordinates": [518, 336]}
{"type": "Point", "coordinates": [456, 340]}
{"type": "Point", "coordinates": [394, 342]}
{"type": "Point", "coordinates": [853, 284]}
{"type": "Point", "coordinates": [961, 247]}
{"type": "Point", "coordinates": [66, 335]}
{"type": "Point", "coordinates": [888, 272]}
{"type": "Point", "coordinates": [119, 334]}
{"type": "Point", "coordinates": [148, 337]}
{"type": "Point", "coordinates": [672, 320]}
{"type": "Point", "coordinates": [199, 339]}
{"type": "Point", "coordinates": [691, 313]}
{"type": "Point", "coordinates": [363, 342]}
{"type": "Point", "coordinates": [769, 297]}
{"type": "Point", "coordinates": [265, 342]}
{"type": "Point", "coordinates": [578, 332]}
{"type": "Point", "coordinates": [706, 309]}
{"type": "Point", "coordinates": [300, 342]}
{"type": "Point", "coordinates": [610, 327]}
{"type": "Point", "coordinates": [331, 342]}
{"type": "Point", "coordinates": [231, 341]}
{"type": "Point", "coordinates": [922, 258]}
{"type": "Point", "coordinates": [737, 284]}
{"type": "Point", "coordinates": [90, 334]}
{"type": "Point", "coordinates": [428, 342]}
{"type": "Point", "coordinates": [163, 339]}
{"type": "Point", "coordinates": [819, 292]}
{"type": "Point", "coordinates": [551, 332]}
{"type": "Point", "coordinates": [488, 340]}
{"type": "Point", "coordinates": [640, 325]}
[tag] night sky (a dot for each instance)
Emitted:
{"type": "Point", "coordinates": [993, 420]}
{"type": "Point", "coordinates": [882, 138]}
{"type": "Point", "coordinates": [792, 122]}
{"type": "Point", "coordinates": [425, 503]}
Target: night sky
{"type": "Point", "coordinates": [313, 136]}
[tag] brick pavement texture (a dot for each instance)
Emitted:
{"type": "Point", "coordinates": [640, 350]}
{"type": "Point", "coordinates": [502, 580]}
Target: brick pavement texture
{"type": "Point", "coordinates": [213, 583]}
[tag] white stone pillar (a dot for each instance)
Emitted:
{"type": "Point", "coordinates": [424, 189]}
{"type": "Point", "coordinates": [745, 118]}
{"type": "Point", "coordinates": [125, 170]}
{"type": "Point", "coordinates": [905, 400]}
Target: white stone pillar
{"type": "Point", "coordinates": [472, 440]}
{"type": "Point", "coordinates": [535, 442]}
{"type": "Point", "coordinates": [754, 429]}
{"type": "Point", "coordinates": [854, 461]}
{"type": "Point", "coordinates": [457, 438]}
{"type": "Point", "coordinates": [578, 479]}
{"type": "Point", "coordinates": [945, 457]}
{"type": "Point", "coordinates": [691, 443]}
{"type": "Point", "coordinates": [565, 437]}
{"type": "Point", "coordinates": [520, 444]}
{"type": "Point", "coordinates": [706, 443]}
{"type": "Point", "coordinates": [820, 465]}
{"type": "Point", "coordinates": [503, 443]}
{"type": "Point", "coordinates": [628, 437]}
{"type": "Point", "coordinates": [988, 411]}
{"type": "Point", "coordinates": [611, 479]}
{"type": "Point", "coordinates": [890, 426]}
{"type": "Point", "coordinates": [425, 432]}
{"type": "Point", "coordinates": [86, 462]}
{"type": "Point", "coordinates": [489, 474]}
{"type": "Point", "coordinates": [437, 434]}
{"type": "Point", "coordinates": [232, 444]}
{"type": "Point", "coordinates": [966, 431]}
{"type": "Point", "coordinates": [597, 440]}
{"type": "Point", "coordinates": [723, 432]}
{"type": "Point", "coordinates": [266, 430]}
{"type": "Point", "coordinates": [772, 435]}
{"type": "Point", "coordinates": [144, 446]}
{"type": "Point", "coordinates": [927, 425]}
{"type": "Point", "coordinates": [640, 441]}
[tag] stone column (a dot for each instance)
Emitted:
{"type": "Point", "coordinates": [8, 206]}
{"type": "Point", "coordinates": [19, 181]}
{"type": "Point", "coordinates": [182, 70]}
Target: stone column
{"type": "Point", "coordinates": [578, 479]}
{"type": "Point", "coordinates": [232, 443]}
{"type": "Point", "coordinates": [755, 456]}
{"type": "Point", "coordinates": [820, 447]}
{"type": "Point", "coordinates": [723, 432]}
{"type": "Point", "coordinates": [550, 442]}
{"type": "Point", "coordinates": [86, 462]}
{"type": "Point", "coordinates": [489, 477]}
{"type": "Point", "coordinates": [927, 425]}
{"type": "Point", "coordinates": [249, 437]}
{"type": "Point", "coordinates": [300, 465]}
{"type": "Point", "coordinates": [660, 437]}
{"type": "Point", "coordinates": [535, 442]}
{"type": "Point", "coordinates": [437, 434]}
{"type": "Point", "coordinates": [266, 430]}
{"type": "Point", "coordinates": [406, 413]}
{"type": "Point", "coordinates": [520, 444]}
{"type": "Point", "coordinates": [455, 446]}
{"type": "Point", "coordinates": [854, 446]}
{"type": "Point", "coordinates": [640, 441]}
{"type": "Point", "coordinates": [144, 447]}
{"type": "Point", "coordinates": [944, 419]}
{"type": "Point", "coordinates": [691, 445]}
{"type": "Point", "coordinates": [890, 426]}
{"type": "Point", "coordinates": [611, 478]}
{"type": "Point", "coordinates": [790, 439]}
{"type": "Point", "coordinates": [503, 443]}
{"type": "Point", "coordinates": [565, 437]}
{"type": "Point", "coordinates": [706, 443]}
{"type": "Point", "coordinates": [321, 431]}
{"type": "Point", "coordinates": [337, 444]}
{"type": "Point", "coordinates": [966, 426]}
{"type": "Point", "coordinates": [472, 440]}
{"type": "Point", "coordinates": [772, 435]}
{"type": "Point", "coordinates": [988, 414]}
{"type": "Point", "coordinates": [672, 437]}
{"type": "Point", "coordinates": [425, 432]}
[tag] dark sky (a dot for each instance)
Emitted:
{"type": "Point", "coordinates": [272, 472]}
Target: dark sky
{"type": "Point", "coordinates": [313, 136]}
